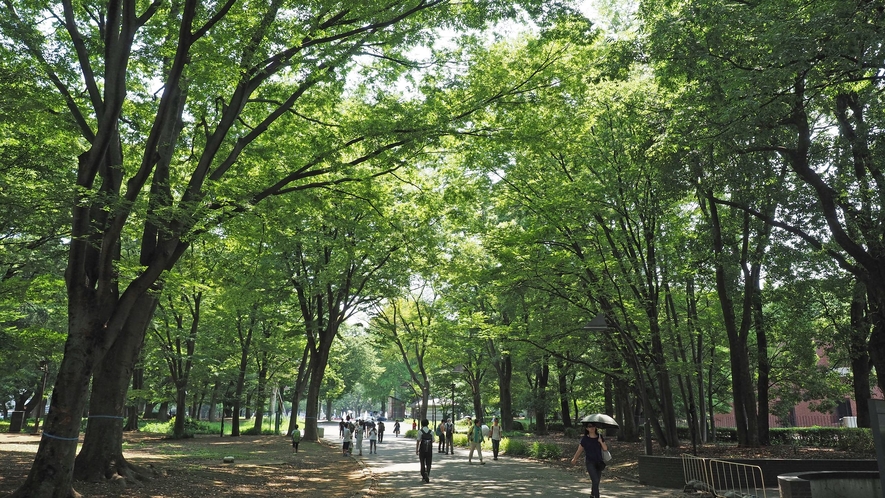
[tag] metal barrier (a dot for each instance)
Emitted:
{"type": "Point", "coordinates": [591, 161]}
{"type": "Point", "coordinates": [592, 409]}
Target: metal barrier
{"type": "Point", "coordinates": [696, 474]}
{"type": "Point", "coordinates": [723, 478]}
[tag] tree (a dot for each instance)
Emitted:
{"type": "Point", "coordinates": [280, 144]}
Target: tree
{"type": "Point", "coordinates": [805, 75]}
{"type": "Point", "coordinates": [228, 78]}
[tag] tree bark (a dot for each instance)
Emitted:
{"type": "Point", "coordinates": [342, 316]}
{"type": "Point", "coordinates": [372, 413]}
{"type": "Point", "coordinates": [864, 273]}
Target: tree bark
{"type": "Point", "coordinates": [102, 454]}
{"type": "Point", "coordinates": [300, 381]}
{"type": "Point", "coordinates": [504, 368]}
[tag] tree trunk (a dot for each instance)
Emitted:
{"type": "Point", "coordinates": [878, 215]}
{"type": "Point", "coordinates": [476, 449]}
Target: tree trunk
{"type": "Point", "coordinates": [245, 336]}
{"type": "Point", "coordinates": [213, 401]}
{"type": "Point", "coordinates": [300, 380]}
{"type": "Point", "coordinates": [859, 354]}
{"type": "Point", "coordinates": [540, 405]}
{"type": "Point", "coordinates": [318, 360]}
{"type": "Point", "coordinates": [763, 367]}
{"type": "Point", "coordinates": [51, 475]}
{"type": "Point", "coordinates": [102, 454]}
{"type": "Point", "coordinates": [132, 410]}
{"type": "Point", "coordinates": [260, 396]}
{"type": "Point", "coordinates": [741, 381]}
{"type": "Point", "coordinates": [564, 408]}
{"type": "Point", "coordinates": [504, 368]}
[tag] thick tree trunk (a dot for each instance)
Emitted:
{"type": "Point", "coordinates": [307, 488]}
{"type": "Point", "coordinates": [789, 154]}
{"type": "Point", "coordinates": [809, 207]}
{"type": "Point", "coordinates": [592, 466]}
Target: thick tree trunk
{"type": "Point", "coordinates": [102, 454]}
{"type": "Point", "coordinates": [318, 360]}
{"type": "Point", "coordinates": [51, 475]}
{"type": "Point", "coordinates": [859, 354]}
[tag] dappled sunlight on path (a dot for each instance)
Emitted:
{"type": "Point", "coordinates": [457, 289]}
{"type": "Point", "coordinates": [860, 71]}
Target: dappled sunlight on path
{"type": "Point", "coordinates": [395, 470]}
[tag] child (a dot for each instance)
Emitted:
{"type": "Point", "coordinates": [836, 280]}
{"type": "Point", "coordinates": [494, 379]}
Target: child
{"type": "Point", "coordinates": [373, 439]}
{"type": "Point", "coordinates": [296, 438]}
{"type": "Point", "coordinates": [345, 447]}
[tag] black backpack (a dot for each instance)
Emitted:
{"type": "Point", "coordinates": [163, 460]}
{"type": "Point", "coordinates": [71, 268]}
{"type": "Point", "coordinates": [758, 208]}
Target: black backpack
{"type": "Point", "coordinates": [426, 439]}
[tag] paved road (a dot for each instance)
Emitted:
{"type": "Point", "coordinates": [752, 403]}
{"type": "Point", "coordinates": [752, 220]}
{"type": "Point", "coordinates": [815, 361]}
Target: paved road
{"type": "Point", "coordinates": [396, 470]}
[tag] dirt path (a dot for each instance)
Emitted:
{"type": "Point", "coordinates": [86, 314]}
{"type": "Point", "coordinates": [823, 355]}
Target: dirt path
{"type": "Point", "coordinates": [264, 466]}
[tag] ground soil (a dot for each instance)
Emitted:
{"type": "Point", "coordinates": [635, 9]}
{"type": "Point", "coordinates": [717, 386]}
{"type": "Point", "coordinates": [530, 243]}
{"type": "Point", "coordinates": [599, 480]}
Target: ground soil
{"type": "Point", "coordinates": [265, 466]}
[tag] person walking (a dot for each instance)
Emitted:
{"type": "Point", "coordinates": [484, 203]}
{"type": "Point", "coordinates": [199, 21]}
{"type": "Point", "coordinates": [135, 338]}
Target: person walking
{"type": "Point", "coordinates": [424, 449]}
{"type": "Point", "coordinates": [396, 428]}
{"type": "Point", "coordinates": [495, 435]}
{"type": "Point", "coordinates": [341, 426]}
{"type": "Point", "coordinates": [476, 439]}
{"type": "Point", "coordinates": [592, 445]}
{"type": "Point", "coordinates": [347, 435]}
{"type": "Point", "coordinates": [373, 441]}
{"type": "Point", "coordinates": [380, 431]}
{"type": "Point", "coordinates": [359, 440]}
{"type": "Point", "coordinates": [450, 437]}
{"type": "Point", "coordinates": [414, 425]}
{"type": "Point", "coordinates": [296, 438]}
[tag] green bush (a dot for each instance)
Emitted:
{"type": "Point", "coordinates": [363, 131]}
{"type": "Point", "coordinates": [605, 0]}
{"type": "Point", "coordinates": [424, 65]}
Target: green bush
{"type": "Point", "coordinates": [412, 433]}
{"type": "Point", "coordinates": [514, 447]}
{"type": "Point", "coordinates": [460, 440]}
{"type": "Point", "coordinates": [518, 426]}
{"type": "Point", "coordinates": [844, 438]}
{"type": "Point", "coordinates": [192, 427]}
{"type": "Point", "coordinates": [555, 427]}
{"type": "Point", "coordinates": [545, 451]}
{"type": "Point", "coordinates": [571, 432]}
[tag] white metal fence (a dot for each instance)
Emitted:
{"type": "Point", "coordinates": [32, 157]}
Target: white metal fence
{"type": "Point", "coordinates": [722, 478]}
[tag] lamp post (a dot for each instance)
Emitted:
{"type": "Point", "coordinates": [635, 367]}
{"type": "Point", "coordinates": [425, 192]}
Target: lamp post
{"type": "Point", "coordinates": [453, 403]}
{"type": "Point", "coordinates": [457, 370]}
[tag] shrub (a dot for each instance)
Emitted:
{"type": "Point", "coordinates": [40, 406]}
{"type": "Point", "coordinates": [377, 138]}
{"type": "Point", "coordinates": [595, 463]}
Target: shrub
{"type": "Point", "coordinates": [556, 426]}
{"type": "Point", "coordinates": [460, 440]}
{"type": "Point", "coordinates": [571, 432]}
{"type": "Point", "coordinates": [411, 433]}
{"type": "Point", "coordinates": [545, 451]}
{"type": "Point", "coordinates": [514, 447]}
{"type": "Point", "coordinates": [518, 426]}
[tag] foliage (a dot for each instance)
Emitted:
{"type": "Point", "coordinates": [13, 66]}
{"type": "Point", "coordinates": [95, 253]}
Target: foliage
{"type": "Point", "coordinates": [841, 438]}
{"type": "Point", "coordinates": [515, 447]}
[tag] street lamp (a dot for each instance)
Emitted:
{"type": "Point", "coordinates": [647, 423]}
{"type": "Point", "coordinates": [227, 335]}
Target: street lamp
{"type": "Point", "coordinates": [458, 369]}
{"type": "Point", "coordinates": [452, 413]}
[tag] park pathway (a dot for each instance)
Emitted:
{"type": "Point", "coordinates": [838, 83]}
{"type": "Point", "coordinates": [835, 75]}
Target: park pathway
{"type": "Point", "coordinates": [396, 471]}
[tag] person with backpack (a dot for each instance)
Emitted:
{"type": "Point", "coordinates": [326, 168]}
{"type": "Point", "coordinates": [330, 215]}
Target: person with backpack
{"type": "Point", "coordinates": [476, 439]}
{"type": "Point", "coordinates": [441, 434]}
{"type": "Point", "coordinates": [424, 449]}
{"type": "Point", "coordinates": [496, 434]}
{"type": "Point", "coordinates": [450, 437]}
{"type": "Point", "coordinates": [296, 438]}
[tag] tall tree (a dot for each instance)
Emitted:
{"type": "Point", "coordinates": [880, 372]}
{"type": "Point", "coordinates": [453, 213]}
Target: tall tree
{"type": "Point", "coordinates": [229, 75]}
{"type": "Point", "coordinates": [806, 89]}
